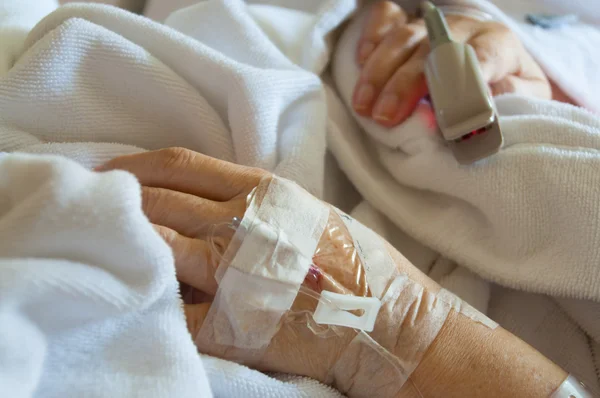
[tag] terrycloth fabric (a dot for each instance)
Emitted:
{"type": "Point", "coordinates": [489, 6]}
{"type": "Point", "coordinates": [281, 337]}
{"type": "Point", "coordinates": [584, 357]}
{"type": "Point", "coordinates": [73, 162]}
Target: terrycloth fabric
{"type": "Point", "coordinates": [89, 303]}
{"type": "Point", "coordinates": [16, 20]}
{"type": "Point", "coordinates": [99, 74]}
{"type": "Point", "coordinates": [240, 83]}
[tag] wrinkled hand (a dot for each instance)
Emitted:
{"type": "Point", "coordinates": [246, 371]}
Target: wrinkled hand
{"type": "Point", "coordinates": [392, 52]}
{"type": "Point", "coordinates": [185, 193]}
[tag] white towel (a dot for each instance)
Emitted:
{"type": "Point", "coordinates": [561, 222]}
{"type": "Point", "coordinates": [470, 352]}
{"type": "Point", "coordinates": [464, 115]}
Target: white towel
{"type": "Point", "coordinates": [140, 83]}
{"type": "Point", "coordinates": [89, 303]}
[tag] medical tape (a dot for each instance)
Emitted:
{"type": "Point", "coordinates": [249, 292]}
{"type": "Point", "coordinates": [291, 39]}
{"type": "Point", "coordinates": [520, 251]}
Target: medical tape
{"type": "Point", "coordinates": [380, 269]}
{"type": "Point", "coordinates": [268, 260]}
{"type": "Point", "coordinates": [261, 273]}
{"type": "Point", "coordinates": [409, 320]}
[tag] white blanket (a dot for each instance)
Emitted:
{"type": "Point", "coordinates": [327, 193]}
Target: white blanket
{"type": "Point", "coordinates": [242, 84]}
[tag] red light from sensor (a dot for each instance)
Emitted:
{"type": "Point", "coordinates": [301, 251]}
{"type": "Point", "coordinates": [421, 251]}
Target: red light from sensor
{"type": "Point", "coordinates": [471, 134]}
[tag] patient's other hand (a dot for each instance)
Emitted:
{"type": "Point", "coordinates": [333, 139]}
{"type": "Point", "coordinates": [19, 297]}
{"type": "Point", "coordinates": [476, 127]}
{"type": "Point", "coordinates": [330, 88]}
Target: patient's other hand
{"type": "Point", "coordinates": [392, 52]}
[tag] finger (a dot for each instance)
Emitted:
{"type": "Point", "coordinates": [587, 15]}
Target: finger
{"type": "Point", "coordinates": [498, 50]}
{"type": "Point", "coordinates": [195, 260]}
{"type": "Point", "coordinates": [190, 295]}
{"type": "Point", "coordinates": [533, 78]}
{"type": "Point", "coordinates": [557, 94]}
{"type": "Point", "coordinates": [462, 28]}
{"type": "Point", "coordinates": [187, 171]}
{"type": "Point", "coordinates": [403, 92]}
{"type": "Point", "coordinates": [189, 215]}
{"type": "Point", "coordinates": [390, 55]}
{"type": "Point", "coordinates": [530, 87]}
{"type": "Point", "coordinates": [195, 315]}
{"type": "Point", "coordinates": [382, 18]}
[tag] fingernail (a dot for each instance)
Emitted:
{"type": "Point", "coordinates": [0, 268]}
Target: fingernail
{"type": "Point", "coordinates": [386, 107]}
{"type": "Point", "coordinates": [364, 96]}
{"type": "Point", "coordinates": [365, 49]}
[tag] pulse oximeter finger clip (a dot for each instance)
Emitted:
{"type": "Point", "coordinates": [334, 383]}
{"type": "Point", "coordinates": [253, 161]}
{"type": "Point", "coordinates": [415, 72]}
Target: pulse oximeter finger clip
{"type": "Point", "coordinates": [461, 99]}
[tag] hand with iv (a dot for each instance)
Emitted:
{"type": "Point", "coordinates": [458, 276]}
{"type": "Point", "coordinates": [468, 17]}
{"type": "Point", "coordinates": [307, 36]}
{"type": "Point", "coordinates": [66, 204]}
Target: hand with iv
{"type": "Point", "coordinates": [393, 48]}
{"type": "Point", "coordinates": [185, 194]}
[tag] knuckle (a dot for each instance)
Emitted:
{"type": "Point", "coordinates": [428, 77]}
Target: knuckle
{"type": "Point", "coordinates": [485, 53]}
{"type": "Point", "coordinates": [386, 7]}
{"type": "Point", "coordinates": [255, 175]}
{"type": "Point", "coordinates": [167, 234]}
{"type": "Point", "coordinates": [382, 17]}
{"type": "Point", "coordinates": [402, 38]}
{"type": "Point", "coordinates": [501, 29]}
{"type": "Point", "coordinates": [152, 200]}
{"type": "Point", "coordinates": [236, 207]}
{"type": "Point", "coordinates": [500, 32]}
{"type": "Point", "coordinates": [252, 177]}
{"type": "Point", "coordinates": [404, 33]}
{"type": "Point", "coordinates": [174, 158]}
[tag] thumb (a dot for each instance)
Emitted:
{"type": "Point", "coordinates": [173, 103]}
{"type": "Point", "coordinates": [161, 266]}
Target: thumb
{"type": "Point", "coordinates": [195, 314]}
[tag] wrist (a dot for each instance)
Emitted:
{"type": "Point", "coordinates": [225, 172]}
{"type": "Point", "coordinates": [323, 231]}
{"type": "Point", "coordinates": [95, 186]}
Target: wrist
{"type": "Point", "coordinates": [444, 363]}
{"type": "Point", "coordinates": [381, 363]}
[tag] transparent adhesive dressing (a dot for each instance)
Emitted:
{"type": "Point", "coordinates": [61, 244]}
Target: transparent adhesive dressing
{"type": "Point", "coordinates": [298, 265]}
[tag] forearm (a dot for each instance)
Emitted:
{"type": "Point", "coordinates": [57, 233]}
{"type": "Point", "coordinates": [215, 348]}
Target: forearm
{"type": "Point", "coordinates": [469, 359]}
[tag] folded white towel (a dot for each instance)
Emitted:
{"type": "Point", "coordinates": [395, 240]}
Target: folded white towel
{"type": "Point", "coordinates": [89, 303]}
